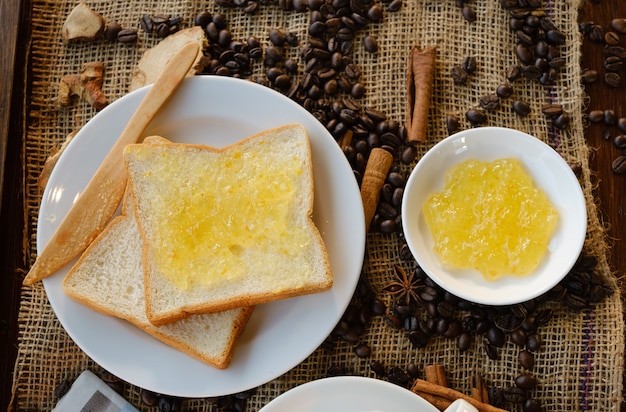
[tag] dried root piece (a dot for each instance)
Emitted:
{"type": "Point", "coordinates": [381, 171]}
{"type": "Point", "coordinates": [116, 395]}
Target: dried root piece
{"type": "Point", "coordinates": [153, 60]}
{"type": "Point", "coordinates": [51, 161]}
{"type": "Point", "coordinates": [82, 24]}
{"type": "Point", "coordinates": [87, 84]}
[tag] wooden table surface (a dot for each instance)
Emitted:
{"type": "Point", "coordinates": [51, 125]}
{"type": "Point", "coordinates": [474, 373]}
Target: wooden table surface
{"type": "Point", "coordinates": [610, 192]}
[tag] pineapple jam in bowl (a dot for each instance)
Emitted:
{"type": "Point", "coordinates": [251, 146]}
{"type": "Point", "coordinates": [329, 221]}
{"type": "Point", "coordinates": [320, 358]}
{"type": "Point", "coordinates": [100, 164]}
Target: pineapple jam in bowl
{"type": "Point", "coordinates": [494, 215]}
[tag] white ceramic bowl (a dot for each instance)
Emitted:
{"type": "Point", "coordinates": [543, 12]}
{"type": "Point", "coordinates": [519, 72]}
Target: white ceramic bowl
{"type": "Point", "coordinates": [549, 172]}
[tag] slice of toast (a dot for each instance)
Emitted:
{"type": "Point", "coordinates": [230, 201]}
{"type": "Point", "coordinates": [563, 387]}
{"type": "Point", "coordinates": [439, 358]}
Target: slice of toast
{"type": "Point", "coordinates": [226, 228]}
{"type": "Point", "coordinates": [108, 277]}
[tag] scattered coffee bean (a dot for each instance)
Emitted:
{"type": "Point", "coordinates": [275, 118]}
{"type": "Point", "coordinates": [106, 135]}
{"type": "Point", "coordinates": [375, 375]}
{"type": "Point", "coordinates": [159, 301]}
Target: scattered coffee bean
{"type": "Point", "coordinates": [562, 121]}
{"type": "Point", "coordinates": [612, 79]}
{"type": "Point", "coordinates": [619, 25]}
{"type": "Point", "coordinates": [370, 43]}
{"type": "Point", "coordinates": [611, 38]}
{"type": "Point", "coordinates": [127, 36]}
{"type": "Point", "coordinates": [552, 109]}
{"type": "Point", "coordinates": [504, 90]}
{"type": "Point", "coordinates": [452, 124]}
{"type": "Point", "coordinates": [609, 117]}
{"type": "Point", "coordinates": [476, 116]}
{"type": "Point", "coordinates": [459, 76]}
{"type": "Point", "coordinates": [526, 359]}
{"type": "Point", "coordinates": [596, 116]}
{"type": "Point", "coordinates": [613, 63]}
{"type": "Point", "coordinates": [111, 31]}
{"type": "Point", "coordinates": [620, 141]}
{"type": "Point", "coordinates": [469, 65]}
{"type": "Point", "coordinates": [590, 76]}
{"type": "Point", "coordinates": [489, 102]}
{"type": "Point", "coordinates": [468, 13]}
{"type": "Point", "coordinates": [521, 108]}
{"type": "Point", "coordinates": [362, 350]}
{"type": "Point", "coordinates": [619, 165]}
{"type": "Point", "coordinates": [621, 124]}
{"type": "Point", "coordinates": [526, 381]}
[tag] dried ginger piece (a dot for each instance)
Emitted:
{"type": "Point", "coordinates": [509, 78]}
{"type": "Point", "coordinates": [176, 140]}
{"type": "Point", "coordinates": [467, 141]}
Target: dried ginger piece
{"type": "Point", "coordinates": [151, 63]}
{"type": "Point", "coordinates": [82, 24]}
{"type": "Point", "coordinates": [87, 84]}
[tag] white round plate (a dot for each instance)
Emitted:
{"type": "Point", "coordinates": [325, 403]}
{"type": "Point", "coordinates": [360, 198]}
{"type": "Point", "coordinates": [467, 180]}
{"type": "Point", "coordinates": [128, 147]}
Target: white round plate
{"type": "Point", "coordinates": [215, 111]}
{"type": "Point", "coordinates": [549, 172]}
{"type": "Point", "coordinates": [349, 394]}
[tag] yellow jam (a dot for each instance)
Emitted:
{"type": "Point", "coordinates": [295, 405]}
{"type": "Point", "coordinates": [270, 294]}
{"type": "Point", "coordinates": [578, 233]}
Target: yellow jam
{"type": "Point", "coordinates": [235, 209]}
{"type": "Point", "coordinates": [491, 217]}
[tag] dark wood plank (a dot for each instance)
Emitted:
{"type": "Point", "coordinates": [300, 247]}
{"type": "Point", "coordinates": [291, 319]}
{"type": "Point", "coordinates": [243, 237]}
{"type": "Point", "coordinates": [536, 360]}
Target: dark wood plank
{"type": "Point", "coordinates": [12, 69]}
{"type": "Point", "coordinates": [611, 188]}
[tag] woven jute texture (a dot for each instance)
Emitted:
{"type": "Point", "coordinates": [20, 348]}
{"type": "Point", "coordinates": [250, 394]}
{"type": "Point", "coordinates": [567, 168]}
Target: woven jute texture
{"type": "Point", "coordinates": [580, 364]}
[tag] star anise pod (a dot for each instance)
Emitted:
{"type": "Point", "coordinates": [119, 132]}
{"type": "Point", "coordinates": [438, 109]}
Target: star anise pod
{"type": "Point", "coordinates": [404, 287]}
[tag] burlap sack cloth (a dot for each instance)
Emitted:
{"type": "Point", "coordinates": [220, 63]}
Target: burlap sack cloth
{"type": "Point", "coordinates": [581, 362]}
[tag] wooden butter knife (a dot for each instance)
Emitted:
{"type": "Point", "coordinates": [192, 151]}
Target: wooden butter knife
{"type": "Point", "coordinates": [100, 199]}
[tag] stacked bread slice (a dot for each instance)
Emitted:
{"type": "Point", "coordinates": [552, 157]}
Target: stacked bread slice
{"type": "Point", "coordinates": [204, 235]}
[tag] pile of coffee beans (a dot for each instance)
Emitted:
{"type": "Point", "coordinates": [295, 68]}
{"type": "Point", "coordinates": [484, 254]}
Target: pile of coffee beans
{"type": "Point", "coordinates": [160, 24]}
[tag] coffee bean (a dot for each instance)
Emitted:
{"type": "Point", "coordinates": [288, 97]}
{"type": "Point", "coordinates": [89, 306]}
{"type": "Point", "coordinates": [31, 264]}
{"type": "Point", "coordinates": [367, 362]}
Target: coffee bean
{"type": "Point", "coordinates": [492, 352]}
{"type": "Point", "coordinates": [562, 121]}
{"type": "Point", "coordinates": [489, 102]}
{"type": "Point", "coordinates": [552, 109]}
{"type": "Point", "coordinates": [149, 398]}
{"type": "Point", "coordinates": [619, 165]}
{"type": "Point", "coordinates": [371, 44]}
{"type": "Point", "coordinates": [495, 336]}
{"type": "Point", "coordinates": [469, 65]}
{"type": "Point", "coordinates": [531, 405]}
{"type": "Point", "coordinates": [611, 38]}
{"type": "Point", "coordinates": [362, 351]}
{"type": "Point", "coordinates": [526, 381]}
{"type": "Point", "coordinates": [613, 63]}
{"type": "Point", "coordinates": [464, 341]}
{"type": "Point", "coordinates": [413, 370]}
{"type": "Point", "coordinates": [533, 342]}
{"type": "Point", "coordinates": [408, 154]}
{"type": "Point", "coordinates": [619, 25]}
{"type": "Point", "coordinates": [526, 359]}
{"type": "Point", "coordinates": [621, 124]}
{"type": "Point", "coordinates": [452, 124]}
{"type": "Point", "coordinates": [518, 337]}
{"type": "Point", "coordinates": [378, 368]}
{"type": "Point", "coordinates": [515, 395]}
{"type": "Point", "coordinates": [513, 72]}
{"type": "Point", "coordinates": [524, 53]}
{"type": "Point", "coordinates": [504, 90]}
{"type": "Point", "coordinates": [596, 116]}
{"type": "Point", "coordinates": [521, 108]}
{"type": "Point", "coordinates": [476, 116]}
{"type": "Point", "coordinates": [418, 338]}
{"type": "Point", "coordinates": [609, 117]}
{"type": "Point", "coordinates": [617, 51]}
{"type": "Point", "coordinates": [146, 23]}
{"type": "Point", "coordinates": [590, 76]}
{"type": "Point", "coordinates": [127, 36]}
{"type": "Point", "coordinates": [458, 75]}
{"type": "Point", "coordinates": [394, 6]}
{"type": "Point", "coordinates": [468, 13]}
{"type": "Point", "coordinates": [596, 33]}
{"type": "Point", "coordinates": [612, 79]}
{"type": "Point", "coordinates": [112, 30]}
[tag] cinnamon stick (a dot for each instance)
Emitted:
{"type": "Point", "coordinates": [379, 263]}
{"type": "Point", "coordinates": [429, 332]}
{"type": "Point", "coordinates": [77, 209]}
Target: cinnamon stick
{"type": "Point", "coordinates": [421, 70]}
{"type": "Point", "coordinates": [376, 170]}
{"type": "Point", "coordinates": [479, 389]}
{"type": "Point", "coordinates": [428, 389]}
{"type": "Point", "coordinates": [436, 374]}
